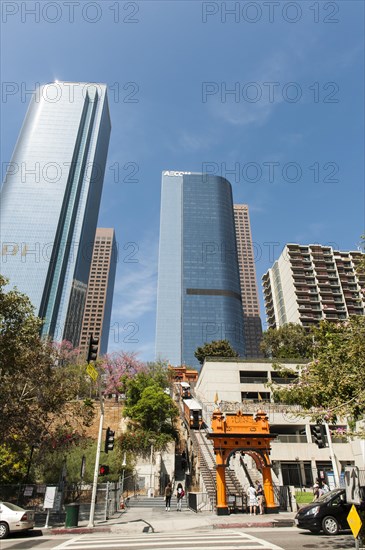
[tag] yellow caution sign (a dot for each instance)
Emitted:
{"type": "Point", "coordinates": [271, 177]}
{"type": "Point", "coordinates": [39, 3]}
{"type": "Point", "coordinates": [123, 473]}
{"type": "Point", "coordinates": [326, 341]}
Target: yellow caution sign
{"type": "Point", "coordinates": [92, 372]}
{"type": "Point", "coordinates": [354, 521]}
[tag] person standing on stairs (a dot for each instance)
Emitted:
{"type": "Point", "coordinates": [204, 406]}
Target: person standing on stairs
{"type": "Point", "coordinates": [168, 493]}
{"type": "Point", "coordinates": [180, 493]}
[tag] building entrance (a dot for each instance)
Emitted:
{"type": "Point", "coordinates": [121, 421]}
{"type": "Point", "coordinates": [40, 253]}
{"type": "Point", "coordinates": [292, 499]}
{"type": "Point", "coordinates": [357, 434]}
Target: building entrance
{"type": "Point", "coordinates": [249, 433]}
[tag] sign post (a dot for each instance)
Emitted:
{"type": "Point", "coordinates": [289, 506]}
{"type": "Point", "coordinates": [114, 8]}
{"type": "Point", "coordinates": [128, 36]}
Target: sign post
{"type": "Point", "coordinates": [355, 523]}
{"type": "Point", "coordinates": [49, 502]}
{"type": "Point", "coordinates": [352, 485]}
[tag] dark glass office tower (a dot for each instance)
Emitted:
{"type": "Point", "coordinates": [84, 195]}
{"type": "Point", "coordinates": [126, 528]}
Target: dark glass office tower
{"type": "Point", "coordinates": [199, 295]}
{"type": "Point", "coordinates": [50, 201]}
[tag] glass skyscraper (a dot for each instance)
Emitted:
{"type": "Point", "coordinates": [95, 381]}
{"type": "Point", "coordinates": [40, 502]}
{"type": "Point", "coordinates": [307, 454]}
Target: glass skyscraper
{"type": "Point", "coordinates": [199, 294]}
{"type": "Point", "coordinates": [50, 201]}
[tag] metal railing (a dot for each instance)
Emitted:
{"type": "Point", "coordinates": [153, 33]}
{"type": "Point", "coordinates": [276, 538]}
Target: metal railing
{"type": "Point", "coordinates": [254, 380]}
{"type": "Point", "coordinates": [290, 438]}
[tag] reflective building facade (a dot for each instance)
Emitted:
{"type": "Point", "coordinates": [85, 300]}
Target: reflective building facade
{"type": "Point", "coordinates": [199, 294]}
{"type": "Point", "coordinates": [50, 201]}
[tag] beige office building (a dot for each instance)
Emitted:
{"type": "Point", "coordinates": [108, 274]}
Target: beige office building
{"type": "Point", "coordinates": [99, 298]}
{"type": "Point", "coordinates": [309, 283]}
{"type": "Point", "coordinates": [242, 384]}
{"type": "Point", "coordinates": [249, 294]}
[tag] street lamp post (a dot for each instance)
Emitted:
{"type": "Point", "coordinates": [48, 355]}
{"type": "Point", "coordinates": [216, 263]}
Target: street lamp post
{"type": "Point", "coordinates": [152, 489]}
{"type": "Point", "coordinates": [124, 463]}
{"type": "Point", "coordinates": [97, 459]}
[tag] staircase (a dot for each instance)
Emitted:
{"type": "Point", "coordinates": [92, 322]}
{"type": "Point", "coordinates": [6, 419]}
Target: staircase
{"type": "Point", "coordinates": [141, 501]}
{"type": "Point", "coordinates": [204, 448]}
{"type": "Point", "coordinates": [206, 466]}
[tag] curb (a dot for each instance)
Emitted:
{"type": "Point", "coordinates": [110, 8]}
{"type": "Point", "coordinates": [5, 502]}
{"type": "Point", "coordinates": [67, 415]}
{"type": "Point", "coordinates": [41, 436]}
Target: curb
{"type": "Point", "coordinates": [109, 528]}
{"type": "Point", "coordinates": [284, 523]}
{"type": "Point", "coordinates": [78, 530]}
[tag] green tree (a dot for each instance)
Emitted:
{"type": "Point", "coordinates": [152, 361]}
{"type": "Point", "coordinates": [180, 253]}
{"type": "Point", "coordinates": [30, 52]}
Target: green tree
{"type": "Point", "coordinates": [150, 410]}
{"type": "Point", "coordinates": [138, 442]}
{"type": "Point", "coordinates": [154, 374]}
{"type": "Point", "coordinates": [49, 463]}
{"type": "Point", "coordinates": [13, 465]}
{"type": "Point", "coordinates": [332, 385]}
{"type": "Point", "coordinates": [155, 411]}
{"type": "Point", "coordinates": [216, 348]}
{"type": "Point", "coordinates": [37, 390]}
{"type": "Point", "coordinates": [360, 266]}
{"type": "Point", "coordinates": [290, 341]}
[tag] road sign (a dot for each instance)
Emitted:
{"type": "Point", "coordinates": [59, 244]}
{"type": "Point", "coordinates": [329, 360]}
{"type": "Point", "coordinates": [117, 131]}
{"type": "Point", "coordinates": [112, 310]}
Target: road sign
{"type": "Point", "coordinates": [50, 497]}
{"type": "Point", "coordinates": [354, 521]}
{"type": "Point", "coordinates": [352, 485]}
{"type": "Point", "coordinates": [92, 372]}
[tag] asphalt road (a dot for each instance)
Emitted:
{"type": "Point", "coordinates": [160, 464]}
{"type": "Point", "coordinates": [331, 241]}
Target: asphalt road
{"type": "Point", "coordinates": [286, 538]}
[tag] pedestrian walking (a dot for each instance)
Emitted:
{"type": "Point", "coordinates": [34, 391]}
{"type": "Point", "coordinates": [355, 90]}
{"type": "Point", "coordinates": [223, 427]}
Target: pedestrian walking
{"type": "Point", "coordinates": [252, 500]}
{"type": "Point", "coordinates": [180, 493]}
{"type": "Point", "coordinates": [168, 493]}
{"type": "Point", "coordinates": [260, 496]}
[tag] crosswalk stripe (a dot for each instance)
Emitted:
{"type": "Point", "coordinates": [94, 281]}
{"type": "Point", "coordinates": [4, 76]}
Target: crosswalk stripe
{"type": "Point", "coordinates": [237, 546]}
{"type": "Point", "coordinates": [269, 545]}
{"type": "Point", "coordinates": [232, 540]}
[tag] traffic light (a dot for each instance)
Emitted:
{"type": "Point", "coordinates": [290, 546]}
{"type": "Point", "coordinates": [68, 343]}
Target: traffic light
{"type": "Point", "coordinates": [103, 470]}
{"type": "Point", "coordinates": [319, 434]}
{"type": "Point", "coordinates": [109, 440]}
{"type": "Point", "coordinates": [93, 349]}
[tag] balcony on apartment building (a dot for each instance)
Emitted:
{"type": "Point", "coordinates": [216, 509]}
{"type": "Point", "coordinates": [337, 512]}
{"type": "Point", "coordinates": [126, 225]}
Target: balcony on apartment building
{"type": "Point", "coordinates": [268, 295]}
{"type": "Point", "coordinates": [357, 308]}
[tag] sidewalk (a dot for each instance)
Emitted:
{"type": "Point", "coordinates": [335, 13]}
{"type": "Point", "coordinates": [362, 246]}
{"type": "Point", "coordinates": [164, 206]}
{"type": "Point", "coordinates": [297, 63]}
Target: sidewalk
{"type": "Point", "coordinates": [144, 520]}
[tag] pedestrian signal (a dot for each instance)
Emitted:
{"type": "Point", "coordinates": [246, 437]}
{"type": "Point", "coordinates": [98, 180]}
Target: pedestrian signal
{"type": "Point", "coordinates": [103, 470]}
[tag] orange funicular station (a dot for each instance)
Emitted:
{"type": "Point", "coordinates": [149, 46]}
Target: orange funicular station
{"type": "Point", "coordinates": [250, 434]}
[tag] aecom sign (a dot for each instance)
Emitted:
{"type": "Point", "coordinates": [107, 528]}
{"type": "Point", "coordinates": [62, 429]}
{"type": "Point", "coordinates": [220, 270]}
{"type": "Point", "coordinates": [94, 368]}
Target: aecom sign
{"type": "Point", "coordinates": [170, 173]}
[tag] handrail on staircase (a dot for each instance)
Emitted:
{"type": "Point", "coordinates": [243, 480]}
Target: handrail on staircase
{"type": "Point", "coordinates": [247, 474]}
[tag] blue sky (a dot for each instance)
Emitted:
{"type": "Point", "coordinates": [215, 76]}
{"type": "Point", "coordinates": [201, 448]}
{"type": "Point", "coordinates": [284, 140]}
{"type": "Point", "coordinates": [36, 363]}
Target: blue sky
{"type": "Point", "coordinates": [293, 129]}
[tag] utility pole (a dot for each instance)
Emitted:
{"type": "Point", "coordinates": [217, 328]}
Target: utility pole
{"type": "Point", "coordinates": [97, 460]}
{"type": "Point", "coordinates": [152, 488]}
{"type": "Point", "coordinates": [93, 373]}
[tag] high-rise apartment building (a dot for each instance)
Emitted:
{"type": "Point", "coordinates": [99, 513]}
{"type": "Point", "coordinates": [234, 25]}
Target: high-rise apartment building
{"type": "Point", "coordinates": [50, 201]}
{"type": "Point", "coordinates": [310, 283]}
{"type": "Point", "coordinates": [250, 299]}
{"type": "Point", "coordinates": [99, 297]}
{"type": "Point", "coordinates": [199, 294]}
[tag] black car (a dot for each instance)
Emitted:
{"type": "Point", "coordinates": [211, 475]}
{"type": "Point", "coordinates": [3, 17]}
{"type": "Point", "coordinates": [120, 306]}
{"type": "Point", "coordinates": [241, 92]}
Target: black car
{"type": "Point", "coordinates": [328, 513]}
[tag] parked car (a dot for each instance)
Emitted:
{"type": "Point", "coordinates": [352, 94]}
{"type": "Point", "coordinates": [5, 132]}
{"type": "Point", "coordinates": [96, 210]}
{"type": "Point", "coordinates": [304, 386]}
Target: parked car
{"type": "Point", "coordinates": [13, 518]}
{"type": "Point", "coordinates": [328, 513]}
